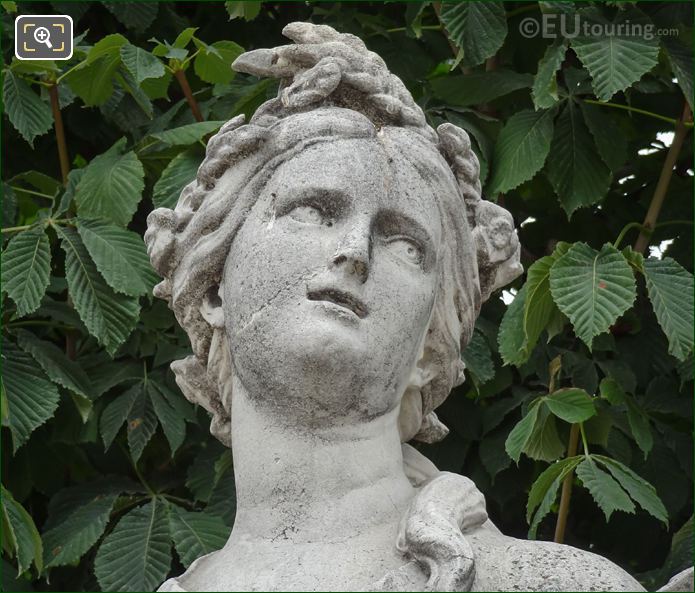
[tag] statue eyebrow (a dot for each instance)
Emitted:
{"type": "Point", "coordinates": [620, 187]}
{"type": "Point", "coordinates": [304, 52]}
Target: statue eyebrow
{"type": "Point", "coordinates": [333, 200]}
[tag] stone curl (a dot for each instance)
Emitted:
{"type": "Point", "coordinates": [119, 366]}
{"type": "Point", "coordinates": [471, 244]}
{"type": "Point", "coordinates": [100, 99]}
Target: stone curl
{"type": "Point", "coordinates": [324, 72]}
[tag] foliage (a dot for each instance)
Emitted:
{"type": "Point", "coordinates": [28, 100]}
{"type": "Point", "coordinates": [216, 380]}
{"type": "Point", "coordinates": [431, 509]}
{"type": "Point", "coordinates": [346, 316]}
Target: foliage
{"type": "Point", "coordinates": [106, 463]}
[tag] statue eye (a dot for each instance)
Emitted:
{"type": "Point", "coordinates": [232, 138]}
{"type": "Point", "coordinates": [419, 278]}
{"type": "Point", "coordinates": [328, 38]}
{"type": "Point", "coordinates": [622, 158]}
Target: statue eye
{"type": "Point", "coordinates": [310, 215]}
{"type": "Point", "coordinates": [406, 249]}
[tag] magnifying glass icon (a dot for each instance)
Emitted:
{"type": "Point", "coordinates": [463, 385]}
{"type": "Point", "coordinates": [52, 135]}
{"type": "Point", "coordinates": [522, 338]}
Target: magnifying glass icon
{"type": "Point", "coordinates": [41, 35]}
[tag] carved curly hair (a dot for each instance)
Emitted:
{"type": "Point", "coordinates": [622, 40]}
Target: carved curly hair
{"type": "Point", "coordinates": [348, 92]}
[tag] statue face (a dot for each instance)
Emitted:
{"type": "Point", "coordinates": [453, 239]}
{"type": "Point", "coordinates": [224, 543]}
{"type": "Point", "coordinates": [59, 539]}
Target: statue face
{"type": "Point", "coordinates": [330, 282]}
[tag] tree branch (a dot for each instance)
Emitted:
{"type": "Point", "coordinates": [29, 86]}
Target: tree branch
{"type": "Point", "coordinates": [664, 179]}
{"type": "Point", "coordinates": [60, 133]}
{"type": "Point", "coordinates": [564, 509]}
{"type": "Point", "coordinates": [186, 88]}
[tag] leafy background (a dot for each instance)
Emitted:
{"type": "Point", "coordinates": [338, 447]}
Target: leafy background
{"type": "Point", "coordinates": [579, 376]}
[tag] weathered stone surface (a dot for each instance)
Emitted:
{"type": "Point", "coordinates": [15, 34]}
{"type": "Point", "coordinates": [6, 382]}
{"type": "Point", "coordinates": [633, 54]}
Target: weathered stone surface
{"type": "Point", "coordinates": [328, 264]}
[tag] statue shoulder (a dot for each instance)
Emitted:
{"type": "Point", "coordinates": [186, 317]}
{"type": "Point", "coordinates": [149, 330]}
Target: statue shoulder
{"type": "Point", "coordinates": [508, 564]}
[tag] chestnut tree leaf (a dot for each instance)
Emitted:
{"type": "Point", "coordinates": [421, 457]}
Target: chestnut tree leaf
{"type": "Point", "coordinates": [30, 398]}
{"type": "Point", "coordinates": [478, 29]}
{"type": "Point", "coordinates": [111, 186]}
{"type": "Point", "coordinates": [521, 149]}
{"type": "Point", "coordinates": [196, 533]}
{"type": "Point", "coordinates": [109, 316]}
{"type": "Point", "coordinates": [593, 288]}
{"type": "Point", "coordinates": [605, 490]}
{"type": "Point", "coordinates": [27, 112]}
{"type": "Point", "coordinates": [575, 169]}
{"type": "Point", "coordinates": [26, 266]}
{"type": "Point", "coordinates": [136, 555]}
{"type": "Point", "coordinates": [670, 289]}
{"type": "Point", "coordinates": [20, 534]}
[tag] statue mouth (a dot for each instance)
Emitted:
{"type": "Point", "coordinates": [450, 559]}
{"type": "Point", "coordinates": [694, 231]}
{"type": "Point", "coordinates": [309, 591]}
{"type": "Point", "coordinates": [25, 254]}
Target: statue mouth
{"type": "Point", "coordinates": [341, 298]}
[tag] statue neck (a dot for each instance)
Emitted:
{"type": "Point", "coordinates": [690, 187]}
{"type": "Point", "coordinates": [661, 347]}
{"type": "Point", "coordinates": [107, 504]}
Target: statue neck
{"type": "Point", "coordinates": [314, 485]}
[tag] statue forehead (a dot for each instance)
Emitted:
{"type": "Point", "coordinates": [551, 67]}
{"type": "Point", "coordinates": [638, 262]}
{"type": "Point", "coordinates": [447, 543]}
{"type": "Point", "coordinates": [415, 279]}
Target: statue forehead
{"type": "Point", "coordinates": [386, 171]}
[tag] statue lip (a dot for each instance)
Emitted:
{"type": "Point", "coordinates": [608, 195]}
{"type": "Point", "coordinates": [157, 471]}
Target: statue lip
{"type": "Point", "coordinates": [341, 298]}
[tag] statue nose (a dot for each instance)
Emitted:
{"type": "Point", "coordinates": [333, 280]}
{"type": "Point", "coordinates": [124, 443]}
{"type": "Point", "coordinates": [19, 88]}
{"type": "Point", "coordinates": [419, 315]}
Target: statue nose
{"type": "Point", "coordinates": [353, 255]}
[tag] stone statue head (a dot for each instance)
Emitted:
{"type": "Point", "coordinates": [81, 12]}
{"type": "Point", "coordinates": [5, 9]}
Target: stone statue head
{"type": "Point", "coordinates": [335, 243]}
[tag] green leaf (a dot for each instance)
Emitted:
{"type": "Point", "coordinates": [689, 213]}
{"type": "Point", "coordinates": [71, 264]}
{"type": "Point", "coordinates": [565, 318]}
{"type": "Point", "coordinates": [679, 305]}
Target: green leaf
{"type": "Point", "coordinates": [610, 140]}
{"type": "Point", "coordinates": [92, 80]}
{"type": "Point", "coordinates": [27, 112]}
{"type": "Point", "coordinates": [598, 428]}
{"type": "Point", "coordinates": [615, 61]}
{"type": "Point", "coordinates": [180, 171]}
{"type": "Point", "coordinates": [136, 16]}
{"type": "Point", "coordinates": [479, 87]}
{"type": "Point", "coordinates": [157, 88]}
{"type": "Point", "coordinates": [120, 256]}
{"type": "Point", "coordinates": [575, 169]}
{"type": "Point", "coordinates": [634, 258]}
{"type": "Point", "coordinates": [136, 555]}
{"type": "Point", "coordinates": [478, 359]}
{"type": "Point", "coordinates": [641, 491]}
{"type": "Point", "coordinates": [19, 529]}
{"type": "Point", "coordinates": [111, 186]}
{"type": "Point", "coordinates": [142, 422]}
{"type": "Point", "coordinates": [222, 501]}
{"type": "Point", "coordinates": [68, 500]}
{"type": "Point", "coordinates": [556, 324]}
{"type": "Point", "coordinates": [184, 38]}
{"type": "Point", "coordinates": [521, 149]}
{"type": "Point", "coordinates": [680, 55]}
{"type": "Point", "coordinates": [26, 266]}
{"type": "Point", "coordinates": [109, 316]}
{"type": "Point", "coordinates": [539, 307]}
{"type": "Point", "coordinates": [217, 69]}
{"type": "Point", "coordinates": [639, 427]}
{"type": "Point", "coordinates": [9, 205]}
{"type": "Point", "coordinates": [68, 196]}
{"type": "Point", "coordinates": [477, 28]}
{"type": "Point", "coordinates": [172, 422]}
{"type": "Point", "coordinates": [681, 553]}
{"type": "Point", "coordinates": [544, 91]}
{"type": "Point", "coordinates": [521, 433]}
{"type": "Point", "coordinates": [606, 492]}
{"type": "Point", "coordinates": [196, 533]}
{"type": "Point", "coordinates": [42, 182]}
{"type": "Point", "coordinates": [200, 476]}
{"type": "Point", "coordinates": [670, 289]}
{"type": "Point", "coordinates": [592, 288]}
{"type": "Point", "coordinates": [571, 405]}
{"type": "Point", "coordinates": [93, 83]}
{"type": "Point", "coordinates": [555, 472]}
{"type": "Point", "coordinates": [189, 133]}
{"type": "Point", "coordinates": [31, 397]}
{"type": "Point", "coordinates": [544, 443]}
{"type": "Point", "coordinates": [68, 541]}
{"type": "Point", "coordinates": [611, 391]}
{"type": "Point", "coordinates": [116, 413]}
{"type": "Point", "coordinates": [492, 453]}
{"type": "Point", "coordinates": [56, 364]}
{"type": "Point", "coordinates": [545, 506]}
{"type": "Point", "coordinates": [246, 9]}
{"type": "Point", "coordinates": [140, 63]}
{"type": "Point", "coordinates": [511, 338]}
{"type": "Point", "coordinates": [176, 400]}
{"type": "Point", "coordinates": [33, 67]}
